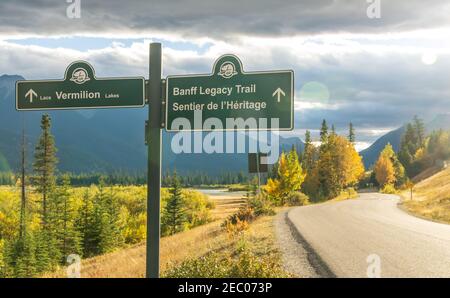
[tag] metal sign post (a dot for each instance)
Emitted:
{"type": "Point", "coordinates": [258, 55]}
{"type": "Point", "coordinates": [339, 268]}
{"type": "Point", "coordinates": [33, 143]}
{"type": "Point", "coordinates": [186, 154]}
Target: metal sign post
{"type": "Point", "coordinates": [258, 160]}
{"type": "Point", "coordinates": [154, 162]}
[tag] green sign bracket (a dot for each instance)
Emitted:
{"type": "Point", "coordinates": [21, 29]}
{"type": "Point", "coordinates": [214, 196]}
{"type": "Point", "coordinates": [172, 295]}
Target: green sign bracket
{"type": "Point", "coordinates": [146, 92]}
{"type": "Point", "coordinates": [163, 103]}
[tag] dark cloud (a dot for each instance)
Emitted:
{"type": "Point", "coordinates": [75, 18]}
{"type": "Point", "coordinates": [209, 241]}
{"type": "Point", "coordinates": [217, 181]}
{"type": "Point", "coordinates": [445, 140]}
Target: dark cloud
{"type": "Point", "coordinates": [219, 19]}
{"type": "Point", "coordinates": [374, 90]}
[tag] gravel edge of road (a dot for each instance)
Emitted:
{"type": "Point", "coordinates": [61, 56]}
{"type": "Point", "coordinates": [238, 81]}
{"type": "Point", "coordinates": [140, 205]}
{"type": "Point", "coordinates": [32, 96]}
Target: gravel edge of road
{"type": "Point", "coordinates": [299, 258]}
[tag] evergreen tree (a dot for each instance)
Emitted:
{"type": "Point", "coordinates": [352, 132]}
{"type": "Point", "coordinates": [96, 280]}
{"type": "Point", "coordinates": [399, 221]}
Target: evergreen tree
{"type": "Point", "coordinates": [19, 255]}
{"type": "Point", "coordinates": [45, 164]}
{"type": "Point", "coordinates": [333, 130]}
{"type": "Point", "coordinates": [351, 133]}
{"type": "Point", "coordinates": [48, 255]}
{"type": "Point", "coordinates": [412, 145]}
{"type": "Point", "coordinates": [174, 216]}
{"type": "Point", "coordinates": [62, 217]}
{"type": "Point", "coordinates": [419, 128]}
{"type": "Point", "coordinates": [101, 228]}
{"type": "Point", "coordinates": [324, 132]}
{"type": "Point", "coordinates": [88, 226]}
{"type": "Point", "coordinates": [328, 185]}
{"type": "Point", "coordinates": [110, 236]}
{"type": "Point", "coordinates": [308, 157]}
{"type": "Point", "coordinates": [408, 147]}
{"type": "Point", "coordinates": [23, 199]}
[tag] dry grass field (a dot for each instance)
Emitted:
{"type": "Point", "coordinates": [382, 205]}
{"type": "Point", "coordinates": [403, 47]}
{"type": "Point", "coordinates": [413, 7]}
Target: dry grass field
{"type": "Point", "coordinates": [431, 197]}
{"type": "Point", "coordinates": [197, 242]}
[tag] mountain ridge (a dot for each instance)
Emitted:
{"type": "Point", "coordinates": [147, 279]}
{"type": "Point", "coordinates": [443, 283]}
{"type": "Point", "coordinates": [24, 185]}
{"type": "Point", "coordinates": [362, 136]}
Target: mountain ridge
{"type": "Point", "coordinates": [370, 154]}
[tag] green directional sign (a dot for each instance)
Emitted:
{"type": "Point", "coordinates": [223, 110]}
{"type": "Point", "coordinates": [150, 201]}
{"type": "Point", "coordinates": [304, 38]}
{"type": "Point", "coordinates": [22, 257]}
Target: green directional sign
{"type": "Point", "coordinates": [80, 89]}
{"type": "Point", "coordinates": [230, 99]}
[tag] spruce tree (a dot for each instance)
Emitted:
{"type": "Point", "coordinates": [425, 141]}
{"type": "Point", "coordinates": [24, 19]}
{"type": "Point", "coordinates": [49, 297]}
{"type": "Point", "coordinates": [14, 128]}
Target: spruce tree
{"type": "Point", "coordinates": [408, 147]}
{"type": "Point", "coordinates": [99, 224]}
{"type": "Point", "coordinates": [110, 236]}
{"type": "Point", "coordinates": [47, 250]}
{"type": "Point", "coordinates": [308, 153]}
{"type": "Point", "coordinates": [62, 216]}
{"type": "Point", "coordinates": [351, 133]}
{"type": "Point", "coordinates": [84, 223]}
{"type": "Point", "coordinates": [419, 127]}
{"type": "Point", "coordinates": [45, 164]}
{"type": "Point", "coordinates": [23, 199]}
{"type": "Point", "coordinates": [324, 132]}
{"type": "Point", "coordinates": [47, 254]}
{"type": "Point", "coordinates": [20, 257]}
{"type": "Point", "coordinates": [174, 216]}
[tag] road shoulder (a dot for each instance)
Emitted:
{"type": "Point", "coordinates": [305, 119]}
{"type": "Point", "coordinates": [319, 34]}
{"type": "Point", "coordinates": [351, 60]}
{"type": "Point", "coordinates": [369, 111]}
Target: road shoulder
{"type": "Point", "coordinates": [297, 255]}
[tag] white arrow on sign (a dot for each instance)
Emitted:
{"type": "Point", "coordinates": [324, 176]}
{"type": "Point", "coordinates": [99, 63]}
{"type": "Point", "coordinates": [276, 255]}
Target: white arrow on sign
{"type": "Point", "coordinates": [278, 93]}
{"type": "Point", "coordinates": [30, 94]}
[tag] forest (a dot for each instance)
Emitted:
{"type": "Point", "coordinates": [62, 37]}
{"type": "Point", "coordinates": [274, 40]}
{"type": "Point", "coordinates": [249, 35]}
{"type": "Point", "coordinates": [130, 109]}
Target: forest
{"type": "Point", "coordinates": [44, 219]}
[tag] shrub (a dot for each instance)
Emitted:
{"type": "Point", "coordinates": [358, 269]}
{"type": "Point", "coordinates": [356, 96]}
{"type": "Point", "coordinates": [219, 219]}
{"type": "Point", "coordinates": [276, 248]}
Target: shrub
{"type": "Point", "coordinates": [249, 265]}
{"type": "Point", "coordinates": [261, 205]}
{"type": "Point", "coordinates": [197, 207]}
{"type": "Point", "coordinates": [238, 187]}
{"type": "Point", "coordinates": [239, 221]}
{"type": "Point", "coordinates": [389, 189]}
{"type": "Point", "coordinates": [244, 214]}
{"type": "Point", "coordinates": [297, 199]}
{"type": "Point", "coordinates": [245, 265]}
{"type": "Point", "coordinates": [209, 266]}
{"type": "Point", "coordinates": [234, 229]}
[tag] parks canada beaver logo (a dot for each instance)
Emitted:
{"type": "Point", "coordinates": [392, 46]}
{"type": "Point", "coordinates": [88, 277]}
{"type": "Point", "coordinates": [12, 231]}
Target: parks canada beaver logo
{"type": "Point", "coordinates": [80, 76]}
{"type": "Point", "coordinates": [227, 70]}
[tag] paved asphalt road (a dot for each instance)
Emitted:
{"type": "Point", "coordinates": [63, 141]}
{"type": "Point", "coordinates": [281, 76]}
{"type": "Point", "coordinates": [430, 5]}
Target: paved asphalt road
{"type": "Point", "coordinates": [344, 234]}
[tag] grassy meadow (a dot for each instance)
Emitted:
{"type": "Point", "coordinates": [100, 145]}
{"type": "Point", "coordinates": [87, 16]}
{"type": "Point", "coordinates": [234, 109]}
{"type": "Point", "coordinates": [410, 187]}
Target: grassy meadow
{"type": "Point", "coordinates": [431, 197]}
{"type": "Point", "coordinates": [191, 253]}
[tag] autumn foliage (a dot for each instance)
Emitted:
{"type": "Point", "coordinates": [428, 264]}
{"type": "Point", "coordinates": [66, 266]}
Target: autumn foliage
{"type": "Point", "coordinates": [290, 177]}
{"type": "Point", "coordinates": [322, 172]}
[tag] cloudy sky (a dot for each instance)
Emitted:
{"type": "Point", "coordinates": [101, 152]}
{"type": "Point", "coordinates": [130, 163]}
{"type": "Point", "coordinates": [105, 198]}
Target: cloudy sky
{"type": "Point", "coordinates": [375, 72]}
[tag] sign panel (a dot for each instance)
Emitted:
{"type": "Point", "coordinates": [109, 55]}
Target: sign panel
{"type": "Point", "coordinates": [264, 99]}
{"type": "Point", "coordinates": [257, 163]}
{"type": "Point", "coordinates": [80, 89]}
